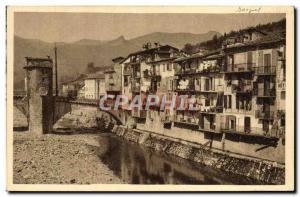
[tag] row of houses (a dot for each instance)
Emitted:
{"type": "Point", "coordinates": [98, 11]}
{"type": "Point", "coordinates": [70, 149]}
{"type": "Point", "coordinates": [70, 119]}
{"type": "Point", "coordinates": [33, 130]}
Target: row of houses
{"type": "Point", "coordinates": [238, 88]}
{"type": "Point", "coordinates": [89, 86]}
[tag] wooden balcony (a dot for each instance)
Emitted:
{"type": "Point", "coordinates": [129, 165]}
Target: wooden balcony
{"type": "Point", "coordinates": [265, 70]}
{"type": "Point", "coordinates": [181, 71]}
{"type": "Point", "coordinates": [211, 110]}
{"type": "Point", "coordinates": [242, 89]}
{"type": "Point", "coordinates": [186, 119]}
{"type": "Point", "coordinates": [193, 71]}
{"type": "Point", "coordinates": [265, 92]}
{"type": "Point", "coordinates": [239, 68]}
{"type": "Point", "coordinates": [265, 115]}
{"type": "Point", "coordinates": [189, 87]}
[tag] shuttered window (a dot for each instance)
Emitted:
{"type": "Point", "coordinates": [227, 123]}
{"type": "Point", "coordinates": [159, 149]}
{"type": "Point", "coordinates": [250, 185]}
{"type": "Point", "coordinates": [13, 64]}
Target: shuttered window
{"type": "Point", "coordinates": [267, 59]}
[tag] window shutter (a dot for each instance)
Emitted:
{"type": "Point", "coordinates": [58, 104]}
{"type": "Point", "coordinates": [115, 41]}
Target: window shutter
{"type": "Point", "coordinates": [260, 58]}
{"type": "Point", "coordinates": [274, 57]}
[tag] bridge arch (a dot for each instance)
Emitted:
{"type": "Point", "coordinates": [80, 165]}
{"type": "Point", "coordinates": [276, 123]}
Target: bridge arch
{"type": "Point", "coordinates": [84, 110]}
{"type": "Point", "coordinates": [63, 106]}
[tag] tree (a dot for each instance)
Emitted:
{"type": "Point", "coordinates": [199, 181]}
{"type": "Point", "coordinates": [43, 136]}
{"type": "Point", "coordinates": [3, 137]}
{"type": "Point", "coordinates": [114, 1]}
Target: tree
{"type": "Point", "coordinates": [188, 48]}
{"type": "Point", "coordinates": [90, 67]}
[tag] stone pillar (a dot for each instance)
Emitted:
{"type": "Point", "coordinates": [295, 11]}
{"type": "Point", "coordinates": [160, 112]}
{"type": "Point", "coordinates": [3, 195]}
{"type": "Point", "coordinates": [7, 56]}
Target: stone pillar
{"type": "Point", "coordinates": [39, 94]}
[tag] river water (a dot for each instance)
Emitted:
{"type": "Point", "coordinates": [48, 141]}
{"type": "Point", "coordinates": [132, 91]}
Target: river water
{"type": "Point", "coordinates": [140, 165]}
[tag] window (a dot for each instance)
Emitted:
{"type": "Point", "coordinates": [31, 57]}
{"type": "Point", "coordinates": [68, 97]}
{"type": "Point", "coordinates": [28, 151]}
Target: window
{"type": "Point", "coordinates": [232, 125]}
{"type": "Point", "coordinates": [207, 102]}
{"type": "Point", "coordinates": [126, 81]}
{"type": "Point", "coordinates": [267, 59]}
{"type": "Point", "coordinates": [170, 84]}
{"type": "Point", "coordinates": [282, 95]}
{"type": "Point", "coordinates": [169, 67]}
{"type": "Point", "coordinates": [229, 101]}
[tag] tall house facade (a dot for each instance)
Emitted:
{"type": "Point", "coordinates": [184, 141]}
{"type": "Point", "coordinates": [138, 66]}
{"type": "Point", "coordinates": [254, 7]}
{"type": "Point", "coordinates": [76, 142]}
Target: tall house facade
{"type": "Point", "coordinates": [148, 71]}
{"type": "Point", "coordinates": [254, 93]}
{"type": "Point", "coordinates": [200, 75]}
{"type": "Point", "coordinates": [113, 80]}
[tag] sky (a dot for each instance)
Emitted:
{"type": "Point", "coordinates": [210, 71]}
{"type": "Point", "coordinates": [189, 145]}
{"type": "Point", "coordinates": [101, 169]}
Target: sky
{"type": "Point", "coordinates": [70, 27]}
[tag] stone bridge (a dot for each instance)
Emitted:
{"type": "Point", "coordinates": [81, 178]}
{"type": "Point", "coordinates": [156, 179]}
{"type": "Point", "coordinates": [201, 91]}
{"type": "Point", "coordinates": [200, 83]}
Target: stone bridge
{"type": "Point", "coordinates": [38, 102]}
{"type": "Point", "coordinates": [63, 105]}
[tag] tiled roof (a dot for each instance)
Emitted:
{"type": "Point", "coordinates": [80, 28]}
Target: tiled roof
{"type": "Point", "coordinates": [152, 49]}
{"type": "Point", "coordinates": [77, 80]}
{"type": "Point", "coordinates": [268, 39]}
{"type": "Point", "coordinates": [213, 53]}
{"type": "Point", "coordinates": [98, 75]}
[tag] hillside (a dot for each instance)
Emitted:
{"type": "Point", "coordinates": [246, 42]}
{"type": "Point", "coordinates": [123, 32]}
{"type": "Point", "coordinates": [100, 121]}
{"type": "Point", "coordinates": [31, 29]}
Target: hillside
{"type": "Point", "coordinates": [74, 57]}
{"type": "Point", "coordinates": [216, 42]}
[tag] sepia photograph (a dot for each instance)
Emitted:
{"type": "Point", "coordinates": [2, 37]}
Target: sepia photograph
{"type": "Point", "coordinates": [150, 98]}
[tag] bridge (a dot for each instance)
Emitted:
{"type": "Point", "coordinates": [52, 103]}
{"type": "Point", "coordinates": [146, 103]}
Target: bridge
{"type": "Point", "coordinates": [38, 103]}
{"type": "Point", "coordinates": [64, 105]}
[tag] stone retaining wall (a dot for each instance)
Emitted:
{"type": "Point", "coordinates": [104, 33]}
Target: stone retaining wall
{"type": "Point", "coordinates": [264, 171]}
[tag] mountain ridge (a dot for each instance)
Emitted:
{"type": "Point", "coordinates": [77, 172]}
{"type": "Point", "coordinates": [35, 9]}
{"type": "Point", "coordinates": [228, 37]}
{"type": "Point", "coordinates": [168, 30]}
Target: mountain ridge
{"type": "Point", "coordinates": [74, 57]}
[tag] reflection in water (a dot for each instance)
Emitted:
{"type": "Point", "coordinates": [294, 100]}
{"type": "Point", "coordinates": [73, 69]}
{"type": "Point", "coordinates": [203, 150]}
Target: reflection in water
{"type": "Point", "coordinates": [139, 165]}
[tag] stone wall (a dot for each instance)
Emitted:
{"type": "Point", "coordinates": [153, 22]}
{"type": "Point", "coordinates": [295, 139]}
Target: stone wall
{"type": "Point", "coordinates": [261, 170]}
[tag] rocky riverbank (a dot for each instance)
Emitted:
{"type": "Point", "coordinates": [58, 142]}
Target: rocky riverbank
{"type": "Point", "coordinates": [59, 159]}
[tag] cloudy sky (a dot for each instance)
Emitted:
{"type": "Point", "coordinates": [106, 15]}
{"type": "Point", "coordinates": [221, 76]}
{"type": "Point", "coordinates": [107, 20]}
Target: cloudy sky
{"type": "Point", "coordinates": [69, 27]}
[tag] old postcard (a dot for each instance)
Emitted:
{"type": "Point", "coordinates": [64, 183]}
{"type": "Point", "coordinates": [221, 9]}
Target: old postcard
{"type": "Point", "coordinates": [150, 98]}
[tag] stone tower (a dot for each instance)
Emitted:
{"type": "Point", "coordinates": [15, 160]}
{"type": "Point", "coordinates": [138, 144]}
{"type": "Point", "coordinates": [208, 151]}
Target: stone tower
{"type": "Point", "coordinates": [39, 94]}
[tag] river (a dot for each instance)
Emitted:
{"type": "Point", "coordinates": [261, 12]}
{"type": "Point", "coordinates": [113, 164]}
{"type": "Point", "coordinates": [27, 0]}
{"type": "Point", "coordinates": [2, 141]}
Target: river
{"type": "Point", "coordinates": [140, 165]}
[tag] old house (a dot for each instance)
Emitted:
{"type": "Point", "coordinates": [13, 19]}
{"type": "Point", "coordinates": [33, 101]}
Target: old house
{"type": "Point", "coordinates": [200, 75]}
{"type": "Point", "coordinates": [113, 79]}
{"type": "Point", "coordinates": [74, 88]}
{"type": "Point", "coordinates": [252, 70]}
{"type": "Point", "coordinates": [94, 86]}
{"type": "Point", "coordinates": [147, 71]}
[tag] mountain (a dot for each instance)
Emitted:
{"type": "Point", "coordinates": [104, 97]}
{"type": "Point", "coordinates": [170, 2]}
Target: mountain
{"type": "Point", "coordinates": [175, 39]}
{"type": "Point", "coordinates": [73, 58]}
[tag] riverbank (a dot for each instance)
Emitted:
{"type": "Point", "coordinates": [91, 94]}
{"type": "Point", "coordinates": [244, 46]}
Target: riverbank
{"type": "Point", "coordinates": [266, 172]}
{"type": "Point", "coordinates": [59, 159]}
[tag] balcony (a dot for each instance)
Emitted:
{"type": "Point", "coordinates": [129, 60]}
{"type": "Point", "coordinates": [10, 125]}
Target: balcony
{"type": "Point", "coordinates": [266, 115]}
{"type": "Point", "coordinates": [210, 69]}
{"type": "Point", "coordinates": [240, 68]}
{"type": "Point", "coordinates": [265, 92]}
{"type": "Point", "coordinates": [186, 119]}
{"type": "Point", "coordinates": [265, 70]}
{"type": "Point", "coordinates": [242, 88]}
{"type": "Point", "coordinates": [211, 109]}
{"type": "Point", "coordinates": [135, 61]}
{"type": "Point", "coordinates": [187, 71]}
{"type": "Point", "coordinates": [208, 127]}
{"type": "Point", "coordinates": [281, 86]}
{"type": "Point", "coordinates": [185, 86]}
{"type": "Point", "coordinates": [127, 72]}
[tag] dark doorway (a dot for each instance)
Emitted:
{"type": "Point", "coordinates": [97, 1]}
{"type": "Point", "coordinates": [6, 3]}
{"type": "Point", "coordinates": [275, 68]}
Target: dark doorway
{"type": "Point", "coordinates": [247, 124]}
